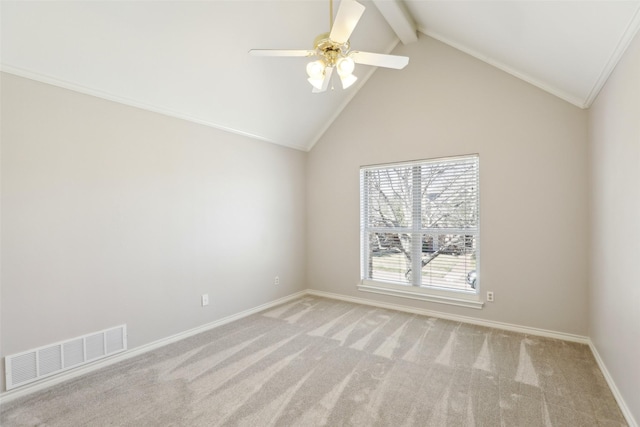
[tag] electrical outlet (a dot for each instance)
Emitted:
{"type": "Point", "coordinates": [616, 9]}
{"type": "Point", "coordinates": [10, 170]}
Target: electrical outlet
{"type": "Point", "coordinates": [205, 299]}
{"type": "Point", "coordinates": [276, 280]}
{"type": "Point", "coordinates": [489, 296]}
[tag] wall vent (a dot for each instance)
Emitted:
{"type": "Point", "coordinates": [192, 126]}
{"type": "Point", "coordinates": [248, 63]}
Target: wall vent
{"type": "Point", "coordinates": [33, 365]}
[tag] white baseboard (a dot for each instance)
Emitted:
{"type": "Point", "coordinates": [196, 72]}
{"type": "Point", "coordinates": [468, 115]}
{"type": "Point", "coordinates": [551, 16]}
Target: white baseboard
{"type": "Point", "coordinates": [612, 385]}
{"type": "Point", "coordinates": [498, 325]}
{"type": "Point", "coordinates": [8, 396]}
{"type": "Point", "coordinates": [465, 319]}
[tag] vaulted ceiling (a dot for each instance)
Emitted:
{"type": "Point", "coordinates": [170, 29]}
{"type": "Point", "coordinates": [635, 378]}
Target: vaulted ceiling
{"type": "Point", "coordinates": [189, 59]}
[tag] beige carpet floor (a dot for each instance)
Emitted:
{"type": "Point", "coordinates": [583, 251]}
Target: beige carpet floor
{"type": "Point", "coordinates": [317, 361]}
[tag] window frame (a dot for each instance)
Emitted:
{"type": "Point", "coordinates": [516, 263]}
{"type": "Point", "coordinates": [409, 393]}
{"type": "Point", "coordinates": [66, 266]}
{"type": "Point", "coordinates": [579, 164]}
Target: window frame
{"type": "Point", "coordinates": [415, 289]}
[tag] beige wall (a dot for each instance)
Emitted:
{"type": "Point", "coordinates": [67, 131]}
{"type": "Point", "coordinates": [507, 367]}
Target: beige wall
{"type": "Point", "coordinates": [114, 215]}
{"type": "Point", "coordinates": [533, 181]}
{"type": "Point", "coordinates": [614, 309]}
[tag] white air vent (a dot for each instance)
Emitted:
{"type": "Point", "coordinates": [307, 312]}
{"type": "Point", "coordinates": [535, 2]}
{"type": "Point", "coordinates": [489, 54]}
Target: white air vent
{"type": "Point", "coordinates": [29, 366]}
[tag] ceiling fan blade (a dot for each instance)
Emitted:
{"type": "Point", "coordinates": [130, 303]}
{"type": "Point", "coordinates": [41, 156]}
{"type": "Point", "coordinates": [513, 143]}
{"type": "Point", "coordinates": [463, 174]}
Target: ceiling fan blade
{"type": "Point", "coordinates": [281, 52]}
{"type": "Point", "coordinates": [347, 18]}
{"type": "Point", "coordinates": [380, 60]}
{"type": "Point", "coordinates": [325, 83]}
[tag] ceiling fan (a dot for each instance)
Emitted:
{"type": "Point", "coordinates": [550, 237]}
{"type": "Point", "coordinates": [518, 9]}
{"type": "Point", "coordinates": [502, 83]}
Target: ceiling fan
{"type": "Point", "coordinates": [334, 51]}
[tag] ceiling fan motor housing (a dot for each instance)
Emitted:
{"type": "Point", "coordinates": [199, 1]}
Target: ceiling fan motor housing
{"type": "Point", "coordinates": [329, 50]}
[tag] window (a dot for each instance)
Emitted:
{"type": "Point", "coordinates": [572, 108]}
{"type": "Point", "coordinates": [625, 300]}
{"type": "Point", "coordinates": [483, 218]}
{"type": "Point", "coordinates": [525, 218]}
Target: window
{"type": "Point", "coordinates": [420, 228]}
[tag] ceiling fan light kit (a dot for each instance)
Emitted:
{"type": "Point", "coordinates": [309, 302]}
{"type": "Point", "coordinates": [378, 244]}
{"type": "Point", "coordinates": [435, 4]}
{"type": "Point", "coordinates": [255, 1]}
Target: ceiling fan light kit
{"type": "Point", "coordinates": [334, 51]}
{"type": "Point", "coordinates": [332, 55]}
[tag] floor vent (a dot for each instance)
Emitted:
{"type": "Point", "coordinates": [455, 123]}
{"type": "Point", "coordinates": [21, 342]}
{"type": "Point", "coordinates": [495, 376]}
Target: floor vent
{"type": "Point", "coordinates": [33, 365]}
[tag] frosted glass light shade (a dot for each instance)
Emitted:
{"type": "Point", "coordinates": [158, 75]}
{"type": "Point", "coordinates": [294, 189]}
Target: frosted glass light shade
{"type": "Point", "coordinates": [316, 82]}
{"type": "Point", "coordinates": [348, 80]}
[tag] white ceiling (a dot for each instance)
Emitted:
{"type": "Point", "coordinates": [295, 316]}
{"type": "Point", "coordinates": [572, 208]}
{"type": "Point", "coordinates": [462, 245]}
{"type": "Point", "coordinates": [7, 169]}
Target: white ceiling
{"type": "Point", "coordinates": [189, 59]}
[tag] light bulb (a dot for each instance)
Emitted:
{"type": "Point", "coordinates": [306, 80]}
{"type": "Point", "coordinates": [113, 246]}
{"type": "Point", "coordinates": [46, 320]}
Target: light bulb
{"type": "Point", "coordinates": [315, 69]}
{"type": "Point", "coordinates": [345, 66]}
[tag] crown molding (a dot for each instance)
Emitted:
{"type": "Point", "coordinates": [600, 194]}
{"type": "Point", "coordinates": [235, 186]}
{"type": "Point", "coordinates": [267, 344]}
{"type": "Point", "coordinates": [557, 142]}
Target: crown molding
{"type": "Point", "coordinates": [578, 102]}
{"type": "Point", "coordinates": [626, 39]}
{"type": "Point", "coordinates": [630, 32]}
{"type": "Point", "coordinates": [136, 104]}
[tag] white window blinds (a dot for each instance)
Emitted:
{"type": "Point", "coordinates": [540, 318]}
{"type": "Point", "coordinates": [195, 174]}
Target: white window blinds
{"type": "Point", "coordinates": [419, 223]}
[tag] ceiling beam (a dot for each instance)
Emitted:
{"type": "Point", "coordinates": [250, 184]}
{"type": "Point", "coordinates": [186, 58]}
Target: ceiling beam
{"type": "Point", "coordinates": [399, 18]}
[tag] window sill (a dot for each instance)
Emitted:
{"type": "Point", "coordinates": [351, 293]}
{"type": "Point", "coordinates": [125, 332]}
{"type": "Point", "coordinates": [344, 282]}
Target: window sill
{"type": "Point", "coordinates": [411, 292]}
